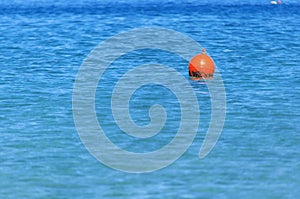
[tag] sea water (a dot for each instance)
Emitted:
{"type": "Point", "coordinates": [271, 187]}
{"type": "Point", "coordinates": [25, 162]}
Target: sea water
{"type": "Point", "coordinates": [255, 46]}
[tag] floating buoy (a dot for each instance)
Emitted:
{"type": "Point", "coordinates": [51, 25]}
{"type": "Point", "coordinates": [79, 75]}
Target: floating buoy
{"type": "Point", "coordinates": [201, 66]}
{"type": "Point", "coordinates": [276, 2]}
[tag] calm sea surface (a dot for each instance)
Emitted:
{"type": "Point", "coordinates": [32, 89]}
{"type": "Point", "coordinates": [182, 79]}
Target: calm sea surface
{"type": "Point", "coordinates": [256, 48]}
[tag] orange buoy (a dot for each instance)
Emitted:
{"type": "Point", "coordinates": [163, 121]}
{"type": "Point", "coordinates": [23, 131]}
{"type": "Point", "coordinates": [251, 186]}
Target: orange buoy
{"type": "Point", "coordinates": [201, 66]}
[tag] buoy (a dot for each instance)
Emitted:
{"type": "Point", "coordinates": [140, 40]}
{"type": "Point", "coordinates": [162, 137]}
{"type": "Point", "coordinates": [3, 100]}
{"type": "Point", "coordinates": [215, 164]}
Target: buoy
{"type": "Point", "coordinates": [276, 2]}
{"type": "Point", "coordinates": [201, 66]}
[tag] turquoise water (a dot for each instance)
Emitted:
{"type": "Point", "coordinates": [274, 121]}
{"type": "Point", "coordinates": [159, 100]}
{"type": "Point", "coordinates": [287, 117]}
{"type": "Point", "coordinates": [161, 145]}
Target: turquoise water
{"type": "Point", "coordinates": [256, 48]}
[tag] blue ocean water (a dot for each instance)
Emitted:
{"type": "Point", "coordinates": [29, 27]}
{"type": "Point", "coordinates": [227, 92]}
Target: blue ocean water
{"type": "Point", "coordinates": [254, 45]}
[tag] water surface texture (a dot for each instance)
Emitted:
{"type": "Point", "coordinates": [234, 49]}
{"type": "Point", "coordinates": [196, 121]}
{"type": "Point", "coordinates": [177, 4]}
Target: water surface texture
{"type": "Point", "coordinates": [255, 46]}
